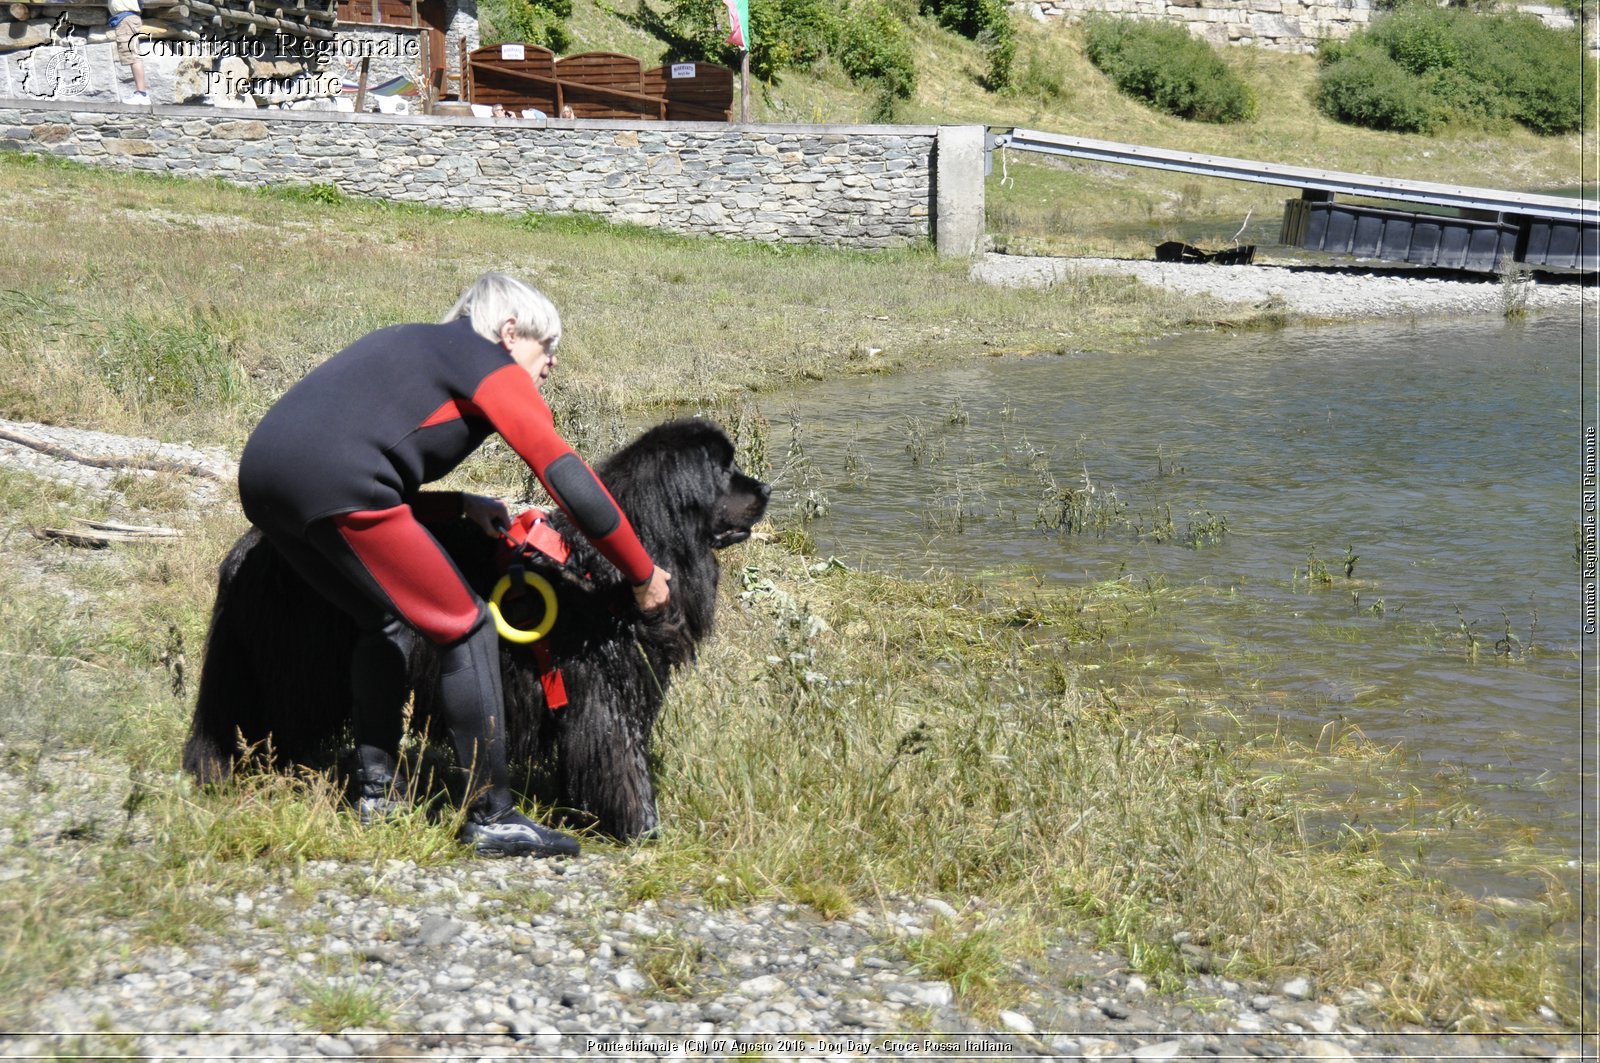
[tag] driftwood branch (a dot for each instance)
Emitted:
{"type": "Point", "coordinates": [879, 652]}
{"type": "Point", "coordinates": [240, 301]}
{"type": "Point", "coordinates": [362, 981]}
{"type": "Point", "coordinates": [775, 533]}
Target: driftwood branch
{"type": "Point", "coordinates": [56, 450]}
{"type": "Point", "coordinates": [101, 534]}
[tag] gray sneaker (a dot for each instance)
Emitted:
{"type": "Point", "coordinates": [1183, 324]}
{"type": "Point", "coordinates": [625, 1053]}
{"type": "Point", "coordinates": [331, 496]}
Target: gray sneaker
{"type": "Point", "coordinates": [510, 833]}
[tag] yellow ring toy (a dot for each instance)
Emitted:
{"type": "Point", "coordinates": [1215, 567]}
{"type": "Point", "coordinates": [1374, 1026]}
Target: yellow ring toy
{"type": "Point", "coordinates": [517, 634]}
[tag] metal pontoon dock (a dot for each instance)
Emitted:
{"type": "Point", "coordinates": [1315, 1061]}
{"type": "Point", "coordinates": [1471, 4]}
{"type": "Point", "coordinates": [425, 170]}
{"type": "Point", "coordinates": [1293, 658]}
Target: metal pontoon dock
{"type": "Point", "coordinates": [1492, 228]}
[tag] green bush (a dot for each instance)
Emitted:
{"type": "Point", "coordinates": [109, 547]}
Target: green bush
{"type": "Point", "coordinates": [1000, 54]}
{"type": "Point", "coordinates": [791, 34]}
{"type": "Point", "coordinates": [1420, 39]}
{"type": "Point", "coordinates": [541, 22]}
{"type": "Point", "coordinates": [1367, 88]}
{"type": "Point", "coordinates": [1420, 67]}
{"type": "Point", "coordinates": [1540, 71]}
{"type": "Point", "coordinates": [1168, 69]}
{"type": "Point", "coordinates": [868, 39]}
{"type": "Point", "coordinates": [986, 22]}
{"type": "Point", "coordinates": [872, 47]}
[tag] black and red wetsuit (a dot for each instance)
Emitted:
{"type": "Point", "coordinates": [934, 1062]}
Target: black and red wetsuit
{"type": "Point", "coordinates": [333, 476]}
{"type": "Point", "coordinates": [340, 461]}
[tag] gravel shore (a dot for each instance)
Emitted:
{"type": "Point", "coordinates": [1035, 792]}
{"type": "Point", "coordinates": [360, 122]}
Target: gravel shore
{"type": "Point", "coordinates": [1344, 292]}
{"type": "Point", "coordinates": [538, 959]}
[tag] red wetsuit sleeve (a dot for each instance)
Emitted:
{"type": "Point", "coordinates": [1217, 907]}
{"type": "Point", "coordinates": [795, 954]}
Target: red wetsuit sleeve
{"type": "Point", "coordinates": [518, 412]}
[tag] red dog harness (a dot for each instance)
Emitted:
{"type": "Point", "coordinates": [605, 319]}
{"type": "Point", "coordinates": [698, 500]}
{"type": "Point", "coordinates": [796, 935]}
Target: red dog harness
{"type": "Point", "coordinates": [531, 533]}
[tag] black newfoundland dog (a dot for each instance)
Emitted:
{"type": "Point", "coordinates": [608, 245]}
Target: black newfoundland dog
{"type": "Point", "coordinates": [277, 661]}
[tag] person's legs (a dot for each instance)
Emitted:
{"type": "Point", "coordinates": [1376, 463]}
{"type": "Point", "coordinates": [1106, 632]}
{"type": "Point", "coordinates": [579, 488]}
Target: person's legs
{"type": "Point", "coordinates": [393, 559]}
{"type": "Point", "coordinates": [124, 33]}
{"type": "Point", "coordinates": [378, 689]}
{"type": "Point", "coordinates": [473, 708]}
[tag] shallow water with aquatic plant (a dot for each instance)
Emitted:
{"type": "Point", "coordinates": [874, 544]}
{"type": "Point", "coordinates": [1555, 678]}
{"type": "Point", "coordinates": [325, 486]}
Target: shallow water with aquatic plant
{"type": "Point", "coordinates": [1371, 527]}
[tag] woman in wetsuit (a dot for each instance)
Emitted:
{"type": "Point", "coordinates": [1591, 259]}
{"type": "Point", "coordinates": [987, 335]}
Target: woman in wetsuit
{"type": "Point", "coordinates": [333, 476]}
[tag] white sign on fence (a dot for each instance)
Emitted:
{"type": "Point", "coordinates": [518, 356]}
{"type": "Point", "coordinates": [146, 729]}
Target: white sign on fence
{"type": "Point", "coordinates": [683, 70]}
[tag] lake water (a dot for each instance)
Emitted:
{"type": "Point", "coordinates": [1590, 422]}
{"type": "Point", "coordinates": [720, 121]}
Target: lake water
{"type": "Point", "coordinates": [1243, 473]}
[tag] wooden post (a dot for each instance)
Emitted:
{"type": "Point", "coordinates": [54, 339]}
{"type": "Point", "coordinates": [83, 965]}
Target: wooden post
{"type": "Point", "coordinates": [461, 68]}
{"type": "Point", "coordinates": [425, 80]}
{"type": "Point", "coordinates": [744, 87]}
{"type": "Point", "coordinates": [361, 86]}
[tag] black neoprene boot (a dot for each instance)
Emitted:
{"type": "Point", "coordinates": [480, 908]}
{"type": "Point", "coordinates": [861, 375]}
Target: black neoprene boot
{"type": "Point", "coordinates": [471, 705]}
{"type": "Point", "coordinates": [377, 696]}
{"type": "Point", "coordinates": [376, 796]}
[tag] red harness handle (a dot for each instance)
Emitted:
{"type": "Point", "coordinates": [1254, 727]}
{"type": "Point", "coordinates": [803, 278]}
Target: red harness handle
{"type": "Point", "coordinates": [530, 533]}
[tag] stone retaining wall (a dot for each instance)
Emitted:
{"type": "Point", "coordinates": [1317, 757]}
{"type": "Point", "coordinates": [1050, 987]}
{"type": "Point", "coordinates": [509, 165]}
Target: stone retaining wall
{"type": "Point", "coordinates": [857, 186]}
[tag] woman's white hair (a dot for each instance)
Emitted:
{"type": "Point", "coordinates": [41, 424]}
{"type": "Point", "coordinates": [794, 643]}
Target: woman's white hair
{"type": "Point", "coordinates": [494, 298]}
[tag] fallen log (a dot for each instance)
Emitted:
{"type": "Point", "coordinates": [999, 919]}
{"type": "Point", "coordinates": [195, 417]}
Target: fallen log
{"type": "Point", "coordinates": [101, 534]}
{"type": "Point", "coordinates": [222, 15]}
{"type": "Point", "coordinates": [55, 450]}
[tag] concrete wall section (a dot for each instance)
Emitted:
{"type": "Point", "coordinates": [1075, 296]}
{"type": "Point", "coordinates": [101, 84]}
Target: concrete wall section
{"type": "Point", "coordinates": [958, 183]}
{"type": "Point", "coordinates": [856, 186]}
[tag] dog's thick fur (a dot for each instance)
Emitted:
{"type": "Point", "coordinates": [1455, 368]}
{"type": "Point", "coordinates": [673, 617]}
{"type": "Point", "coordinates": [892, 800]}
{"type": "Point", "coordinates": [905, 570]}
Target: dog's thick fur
{"type": "Point", "coordinates": [277, 663]}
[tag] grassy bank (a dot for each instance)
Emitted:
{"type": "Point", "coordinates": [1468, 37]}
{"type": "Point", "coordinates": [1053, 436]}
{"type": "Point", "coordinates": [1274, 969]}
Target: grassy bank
{"type": "Point", "coordinates": [934, 738]}
{"type": "Point", "coordinates": [938, 737]}
{"type": "Point", "coordinates": [179, 309]}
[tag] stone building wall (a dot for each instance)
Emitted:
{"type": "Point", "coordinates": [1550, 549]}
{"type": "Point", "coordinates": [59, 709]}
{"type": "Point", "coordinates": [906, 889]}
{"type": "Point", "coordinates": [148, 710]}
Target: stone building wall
{"type": "Point", "coordinates": [858, 186]}
{"type": "Point", "coordinates": [1287, 25]}
{"type": "Point", "coordinates": [461, 36]}
{"type": "Point", "coordinates": [390, 51]}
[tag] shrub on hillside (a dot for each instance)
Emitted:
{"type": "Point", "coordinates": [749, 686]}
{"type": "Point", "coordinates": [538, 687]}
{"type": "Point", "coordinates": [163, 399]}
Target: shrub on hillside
{"type": "Point", "coordinates": [1422, 66]}
{"type": "Point", "coordinates": [868, 39]}
{"type": "Point", "coordinates": [1162, 65]}
{"type": "Point", "coordinates": [541, 22]}
{"type": "Point", "coordinates": [1367, 88]}
{"type": "Point", "coordinates": [784, 33]}
{"type": "Point", "coordinates": [872, 48]}
{"type": "Point", "coordinates": [988, 23]}
{"type": "Point", "coordinates": [790, 34]}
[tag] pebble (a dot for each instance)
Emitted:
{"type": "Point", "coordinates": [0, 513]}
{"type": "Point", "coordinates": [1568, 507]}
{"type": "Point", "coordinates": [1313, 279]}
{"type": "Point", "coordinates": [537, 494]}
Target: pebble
{"type": "Point", "coordinates": [1296, 989]}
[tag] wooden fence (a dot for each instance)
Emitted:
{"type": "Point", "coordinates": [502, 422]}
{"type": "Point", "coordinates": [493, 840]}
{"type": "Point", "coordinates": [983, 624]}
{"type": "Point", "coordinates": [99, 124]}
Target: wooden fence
{"type": "Point", "coordinates": [522, 77]}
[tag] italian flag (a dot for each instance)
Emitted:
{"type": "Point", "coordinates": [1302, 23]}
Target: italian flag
{"type": "Point", "coordinates": [739, 15]}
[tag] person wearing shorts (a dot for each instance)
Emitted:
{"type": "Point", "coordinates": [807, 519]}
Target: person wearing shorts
{"type": "Point", "coordinates": [126, 25]}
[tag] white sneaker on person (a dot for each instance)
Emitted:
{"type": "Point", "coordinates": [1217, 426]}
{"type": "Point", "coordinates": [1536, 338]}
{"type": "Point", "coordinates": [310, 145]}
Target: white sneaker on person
{"type": "Point", "coordinates": [138, 99]}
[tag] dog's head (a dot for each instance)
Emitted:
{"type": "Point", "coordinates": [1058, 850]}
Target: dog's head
{"type": "Point", "coordinates": [741, 507]}
{"type": "Point", "coordinates": [682, 476]}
